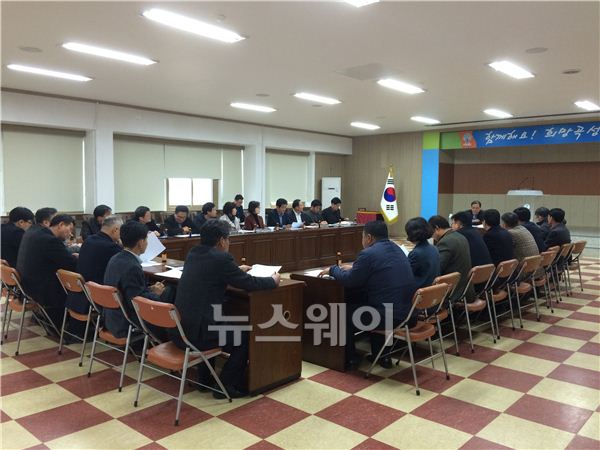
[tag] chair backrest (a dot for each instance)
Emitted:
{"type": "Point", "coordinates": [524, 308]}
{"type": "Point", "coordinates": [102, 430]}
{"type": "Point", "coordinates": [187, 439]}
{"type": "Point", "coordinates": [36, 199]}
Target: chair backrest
{"type": "Point", "coordinates": [531, 264]}
{"type": "Point", "coordinates": [506, 268]}
{"type": "Point", "coordinates": [10, 276]}
{"type": "Point", "coordinates": [4, 262]}
{"type": "Point", "coordinates": [565, 250]}
{"type": "Point", "coordinates": [481, 274]}
{"type": "Point", "coordinates": [105, 296]}
{"type": "Point", "coordinates": [429, 296]}
{"type": "Point", "coordinates": [451, 279]}
{"type": "Point", "coordinates": [156, 313]}
{"type": "Point", "coordinates": [578, 247]}
{"type": "Point", "coordinates": [547, 258]}
{"type": "Point", "coordinates": [70, 281]}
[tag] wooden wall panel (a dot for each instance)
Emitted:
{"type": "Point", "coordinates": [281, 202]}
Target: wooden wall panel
{"type": "Point", "coordinates": [446, 179]}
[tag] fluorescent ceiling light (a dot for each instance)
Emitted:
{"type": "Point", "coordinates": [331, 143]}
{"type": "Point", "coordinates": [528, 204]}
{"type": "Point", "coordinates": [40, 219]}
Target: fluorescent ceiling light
{"type": "Point", "coordinates": [359, 3]}
{"type": "Point", "coordinates": [366, 126]}
{"type": "Point", "coordinates": [107, 53]}
{"type": "Point", "coordinates": [426, 120]}
{"type": "Point", "coordinates": [400, 86]}
{"type": "Point", "coordinates": [192, 25]}
{"type": "Point", "coordinates": [259, 108]}
{"type": "Point", "coordinates": [317, 98]}
{"type": "Point", "coordinates": [48, 73]}
{"type": "Point", "coordinates": [497, 113]}
{"type": "Point", "coordinates": [586, 104]}
{"type": "Point", "coordinates": [510, 69]}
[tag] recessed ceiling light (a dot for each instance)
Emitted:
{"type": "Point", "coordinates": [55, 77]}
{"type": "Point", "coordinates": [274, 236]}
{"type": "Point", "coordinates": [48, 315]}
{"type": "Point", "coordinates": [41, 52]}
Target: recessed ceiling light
{"type": "Point", "coordinates": [360, 3]}
{"type": "Point", "coordinates": [497, 113]}
{"type": "Point", "coordinates": [534, 50]}
{"type": "Point", "coordinates": [192, 25]}
{"type": "Point", "coordinates": [317, 98]}
{"type": "Point", "coordinates": [262, 94]}
{"type": "Point", "coordinates": [510, 69]}
{"type": "Point", "coordinates": [48, 73]}
{"type": "Point", "coordinates": [107, 53]}
{"type": "Point", "coordinates": [29, 49]}
{"type": "Point", "coordinates": [400, 86]}
{"type": "Point", "coordinates": [259, 108]}
{"type": "Point", "coordinates": [587, 105]}
{"type": "Point", "coordinates": [426, 120]}
{"type": "Point", "coordinates": [571, 71]}
{"type": "Point", "coordinates": [366, 126]}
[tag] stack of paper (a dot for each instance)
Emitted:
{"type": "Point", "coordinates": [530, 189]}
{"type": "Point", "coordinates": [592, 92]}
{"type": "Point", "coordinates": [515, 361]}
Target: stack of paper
{"type": "Point", "coordinates": [258, 270]}
{"type": "Point", "coordinates": [173, 273]}
{"type": "Point", "coordinates": [155, 248]}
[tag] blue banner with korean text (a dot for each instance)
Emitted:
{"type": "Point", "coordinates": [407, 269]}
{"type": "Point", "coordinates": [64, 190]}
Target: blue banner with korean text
{"type": "Point", "coordinates": [569, 133]}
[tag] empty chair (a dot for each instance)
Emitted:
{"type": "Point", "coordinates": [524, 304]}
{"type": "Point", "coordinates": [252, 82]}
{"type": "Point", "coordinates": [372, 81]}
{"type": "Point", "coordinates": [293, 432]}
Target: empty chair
{"type": "Point", "coordinates": [578, 248]}
{"type": "Point", "coordinates": [505, 271]}
{"type": "Point", "coordinates": [452, 280]}
{"type": "Point", "coordinates": [167, 355]}
{"type": "Point", "coordinates": [524, 283]}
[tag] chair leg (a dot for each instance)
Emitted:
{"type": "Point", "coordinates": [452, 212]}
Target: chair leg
{"type": "Point", "coordinates": [535, 299]}
{"type": "Point", "coordinates": [21, 325]}
{"type": "Point", "coordinates": [518, 304]}
{"type": "Point", "coordinates": [385, 344]}
{"type": "Point", "coordinates": [62, 331]}
{"type": "Point", "coordinates": [548, 295]}
{"type": "Point", "coordinates": [182, 385]}
{"type": "Point", "coordinates": [568, 279]}
{"type": "Point", "coordinates": [217, 379]}
{"type": "Point", "coordinates": [450, 307]}
{"type": "Point", "coordinates": [442, 347]}
{"type": "Point", "coordinates": [510, 306]}
{"type": "Point", "coordinates": [140, 372]}
{"type": "Point", "coordinates": [469, 326]}
{"type": "Point", "coordinates": [94, 346]}
{"type": "Point", "coordinates": [489, 308]}
{"type": "Point", "coordinates": [431, 353]}
{"type": "Point", "coordinates": [124, 363]}
{"type": "Point", "coordinates": [579, 270]}
{"type": "Point", "coordinates": [85, 333]}
{"type": "Point", "coordinates": [412, 360]}
{"type": "Point", "coordinates": [6, 321]}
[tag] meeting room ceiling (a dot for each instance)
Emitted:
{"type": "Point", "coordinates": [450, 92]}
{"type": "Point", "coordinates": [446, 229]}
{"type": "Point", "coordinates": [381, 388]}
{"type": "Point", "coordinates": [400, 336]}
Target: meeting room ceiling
{"type": "Point", "coordinates": [327, 48]}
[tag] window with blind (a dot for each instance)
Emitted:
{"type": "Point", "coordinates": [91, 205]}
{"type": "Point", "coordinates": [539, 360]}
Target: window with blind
{"type": "Point", "coordinates": [286, 176]}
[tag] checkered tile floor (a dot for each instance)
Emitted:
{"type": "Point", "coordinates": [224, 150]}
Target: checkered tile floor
{"type": "Point", "coordinates": [538, 387]}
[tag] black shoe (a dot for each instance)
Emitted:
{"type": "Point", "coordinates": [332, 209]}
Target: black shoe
{"type": "Point", "coordinates": [353, 362]}
{"type": "Point", "coordinates": [386, 363]}
{"type": "Point", "coordinates": [232, 391]}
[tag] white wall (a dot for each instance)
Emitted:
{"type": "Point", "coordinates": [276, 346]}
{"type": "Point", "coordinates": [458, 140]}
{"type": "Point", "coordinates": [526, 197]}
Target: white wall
{"type": "Point", "coordinates": [101, 122]}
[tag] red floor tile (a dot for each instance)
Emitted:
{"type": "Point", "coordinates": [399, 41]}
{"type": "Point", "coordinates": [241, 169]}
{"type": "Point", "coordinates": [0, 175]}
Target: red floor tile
{"type": "Point", "coordinates": [45, 357]}
{"type": "Point", "coordinates": [584, 316]}
{"type": "Point", "coordinates": [519, 333]}
{"type": "Point", "coordinates": [113, 357]}
{"type": "Point", "coordinates": [67, 419]}
{"type": "Point", "coordinates": [4, 417]}
{"type": "Point", "coordinates": [508, 378]}
{"type": "Point", "coordinates": [567, 306]}
{"type": "Point", "coordinates": [544, 317]}
{"type": "Point", "coordinates": [483, 354]}
{"type": "Point", "coordinates": [350, 382]}
{"type": "Point", "coordinates": [592, 348]}
{"type": "Point", "coordinates": [594, 304]}
{"type": "Point", "coordinates": [158, 421]}
{"type": "Point", "coordinates": [170, 385]}
{"type": "Point", "coordinates": [13, 334]}
{"type": "Point", "coordinates": [432, 380]}
{"type": "Point", "coordinates": [98, 383]}
{"type": "Point", "coordinates": [373, 444]}
{"type": "Point", "coordinates": [263, 417]}
{"type": "Point", "coordinates": [20, 381]}
{"type": "Point", "coordinates": [550, 413]}
{"type": "Point", "coordinates": [574, 333]}
{"type": "Point", "coordinates": [476, 443]}
{"type": "Point", "coordinates": [584, 295]}
{"type": "Point", "coordinates": [152, 446]}
{"type": "Point", "coordinates": [361, 415]}
{"type": "Point", "coordinates": [263, 445]}
{"type": "Point", "coordinates": [576, 375]}
{"type": "Point", "coordinates": [456, 414]}
{"type": "Point", "coordinates": [542, 352]}
{"type": "Point", "coordinates": [39, 447]}
{"type": "Point", "coordinates": [583, 443]}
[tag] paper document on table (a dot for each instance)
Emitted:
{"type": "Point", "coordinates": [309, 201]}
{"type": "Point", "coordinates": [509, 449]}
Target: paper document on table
{"type": "Point", "coordinates": [173, 273]}
{"type": "Point", "coordinates": [258, 270]}
{"type": "Point", "coordinates": [155, 248]}
{"type": "Point", "coordinates": [150, 263]}
{"type": "Point", "coordinates": [312, 273]}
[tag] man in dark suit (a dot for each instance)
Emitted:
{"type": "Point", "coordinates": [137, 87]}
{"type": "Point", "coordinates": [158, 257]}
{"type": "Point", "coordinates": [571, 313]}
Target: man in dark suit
{"type": "Point", "coordinates": [40, 256]}
{"type": "Point", "coordinates": [499, 241]}
{"type": "Point", "coordinates": [476, 213]}
{"type": "Point", "coordinates": [559, 234]}
{"type": "Point", "coordinates": [93, 225]}
{"type": "Point", "coordinates": [541, 220]}
{"type": "Point", "coordinates": [239, 207]}
{"type": "Point", "coordinates": [143, 215]}
{"type": "Point", "coordinates": [383, 272]}
{"type": "Point", "coordinates": [20, 220]}
{"type": "Point", "coordinates": [524, 216]}
{"type": "Point", "coordinates": [43, 217]}
{"type": "Point", "coordinates": [208, 270]}
{"type": "Point", "coordinates": [209, 211]}
{"type": "Point", "coordinates": [124, 271]}
{"type": "Point", "coordinates": [278, 217]}
{"type": "Point", "coordinates": [297, 214]}
{"type": "Point", "coordinates": [315, 212]}
{"type": "Point", "coordinates": [480, 254]}
{"type": "Point", "coordinates": [455, 255]}
{"type": "Point", "coordinates": [180, 222]}
{"type": "Point", "coordinates": [333, 213]}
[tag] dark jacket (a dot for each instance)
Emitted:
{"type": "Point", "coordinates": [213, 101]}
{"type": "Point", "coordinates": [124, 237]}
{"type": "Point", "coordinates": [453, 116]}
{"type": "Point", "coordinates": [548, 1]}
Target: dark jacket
{"type": "Point", "coordinates": [173, 228]}
{"type": "Point", "coordinates": [475, 219]}
{"type": "Point", "coordinates": [251, 222]}
{"type": "Point", "coordinates": [480, 255]}
{"type": "Point", "coordinates": [199, 221]}
{"type": "Point", "coordinates": [384, 272]}
{"type": "Point", "coordinates": [40, 256]}
{"type": "Point", "coordinates": [305, 218]}
{"type": "Point", "coordinates": [331, 216]}
{"type": "Point", "coordinates": [89, 227]}
{"type": "Point", "coordinates": [206, 273]}
{"type": "Point", "coordinates": [455, 256]}
{"type": "Point", "coordinates": [537, 234]}
{"type": "Point", "coordinates": [559, 234]}
{"type": "Point", "coordinates": [545, 227]}
{"type": "Point", "coordinates": [315, 217]}
{"type": "Point", "coordinates": [239, 213]}
{"type": "Point", "coordinates": [124, 271]}
{"type": "Point", "coordinates": [500, 244]}
{"type": "Point", "coordinates": [425, 264]}
{"type": "Point", "coordinates": [11, 240]}
{"type": "Point", "coordinates": [151, 226]}
{"type": "Point", "coordinates": [274, 219]}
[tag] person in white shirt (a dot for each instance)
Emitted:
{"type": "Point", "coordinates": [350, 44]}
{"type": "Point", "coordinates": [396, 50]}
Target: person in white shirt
{"type": "Point", "coordinates": [297, 215]}
{"type": "Point", "coordinates": [229, 216]}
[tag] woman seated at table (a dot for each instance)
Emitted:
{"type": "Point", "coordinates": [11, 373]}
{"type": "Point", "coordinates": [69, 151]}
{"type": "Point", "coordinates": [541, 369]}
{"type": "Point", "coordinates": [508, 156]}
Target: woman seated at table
{"type": "Point", "coordinates": [229, 216]}
{"type": "Point", "coordinates": [253, 219]}
{"type": "Point", "coordinates": [424, 258]}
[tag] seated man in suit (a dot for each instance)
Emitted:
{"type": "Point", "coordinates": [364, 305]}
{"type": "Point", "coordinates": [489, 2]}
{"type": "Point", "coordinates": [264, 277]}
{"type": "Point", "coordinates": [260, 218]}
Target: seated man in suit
{"type": "Point", "coordinates": [124, 271]}
{"type": "Point", "coordinates": [498, 241]}
{"type": "Point", "coordinates": [333, 213]}
{"type": "Point", "coordinates": [253, 220]}
{"type": "Point", "coordinates": [209, 211]}
{"type": "Point", "coordinates": [20, 219]}
{"type": "Point", "coordinates": [40, 256]}
{"type": "Point", "coordinates": [523, 242]}
{"type": "Point", "coordinates": [476, 213]}
{"type": "Point", "coordinates": [94, 255]}
{"type": "Point", "coordinates": [455, 255]}
{"type": "Point", "coordinates": [383, 274]}
{"type": "Point", "coordinates": [278, 217]}
{"type": "Point", "coordinates": [315, 212]}
{"type": "Point", "coordinates": [93, 225]}
{"type": "Point", "coordinates": [424, 258]}
{"type": "Point", "coordinates": [239, 207]}
{"type": "Point", "coordinates": [559, 234]}
{"type": "Point", "coordinates": [43, 217]}
{"type": "Point", "coordinates": [524, 216]}
{"type": "Point", "coordinates": [143, 215]}
{"type": "Point", "coordinates": [297, 215]}
{"type": "Point", "coordinates": [208, 270]}
{"type": "Point", "coordinates": [541, 220]}
{"type": "Point", "coordinates": [480, 254]}
{"type": "Point", "coordinates": [180, 222]}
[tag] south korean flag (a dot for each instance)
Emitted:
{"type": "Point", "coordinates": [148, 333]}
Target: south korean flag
{"type": "Point", "coordinates": [389, 203]}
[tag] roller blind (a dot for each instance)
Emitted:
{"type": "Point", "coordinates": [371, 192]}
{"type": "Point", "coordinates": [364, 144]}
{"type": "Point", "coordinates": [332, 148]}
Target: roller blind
{"type": "Point", "coordinates": [286, 176]}
{"type": "Point", "coordinates": [43, 168]}
{"type": "Point", "coordinates": [232, 175]}
{"type": "Point", "coordinates": [187, 161]}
